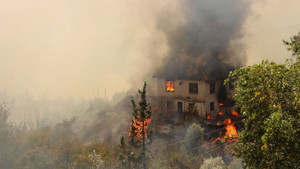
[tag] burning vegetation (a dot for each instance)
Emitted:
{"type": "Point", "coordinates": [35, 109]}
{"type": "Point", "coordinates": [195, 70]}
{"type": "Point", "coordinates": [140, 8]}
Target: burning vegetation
{"type": "Point", "coordinates": [138, 128]}
{"type": "Point", "coordinates": [225, 121]}
{"type": "Point", "coordinates": [203, 45]}
{"type": "Point", "coordinates": [235, 113]}
{"type": "Point", "coordinates": [230, 132]}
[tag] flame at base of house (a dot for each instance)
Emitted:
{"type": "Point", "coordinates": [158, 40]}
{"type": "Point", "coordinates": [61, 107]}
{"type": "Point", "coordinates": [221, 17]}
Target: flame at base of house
{"type": "Point", "coordinates": [230, 134]}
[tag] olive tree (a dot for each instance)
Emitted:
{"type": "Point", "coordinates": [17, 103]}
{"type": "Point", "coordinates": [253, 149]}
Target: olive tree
{"type": "Point", "coordinates": [268, 96]}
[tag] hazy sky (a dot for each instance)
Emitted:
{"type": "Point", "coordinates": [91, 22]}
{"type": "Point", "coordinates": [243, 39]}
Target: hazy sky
{"type": "Point", "coordinates": [76, 47]}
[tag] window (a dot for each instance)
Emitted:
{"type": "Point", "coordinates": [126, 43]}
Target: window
{"type": "Point", "coordinates": [169, 105]}
{"type": "Point", "coordinates": [170, 86]}
{"type": "Point", "coordinates": [212, 106]}
{"type": "Point", "coordinates": [212, 88]}
{"type": "Point", "coordinates": [193, 88]}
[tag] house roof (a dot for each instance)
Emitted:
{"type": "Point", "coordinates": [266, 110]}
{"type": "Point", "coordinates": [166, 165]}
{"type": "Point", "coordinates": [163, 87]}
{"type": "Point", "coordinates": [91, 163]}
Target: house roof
{"type": "Point", "coordinates": [206, 73]}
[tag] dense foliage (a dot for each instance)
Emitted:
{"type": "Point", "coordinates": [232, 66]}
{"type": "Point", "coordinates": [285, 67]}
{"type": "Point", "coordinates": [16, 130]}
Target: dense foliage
{"type": "Point", "coordinates": [268, 97]}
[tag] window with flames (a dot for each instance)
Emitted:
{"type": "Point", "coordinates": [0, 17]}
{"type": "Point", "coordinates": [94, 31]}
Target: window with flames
{"type": "Point", "coordinates": [170, 86]}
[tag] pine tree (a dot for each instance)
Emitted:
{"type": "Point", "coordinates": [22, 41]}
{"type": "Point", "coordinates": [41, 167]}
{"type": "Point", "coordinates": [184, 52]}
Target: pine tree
{"type": "Point", "coordinates": [140, 132]}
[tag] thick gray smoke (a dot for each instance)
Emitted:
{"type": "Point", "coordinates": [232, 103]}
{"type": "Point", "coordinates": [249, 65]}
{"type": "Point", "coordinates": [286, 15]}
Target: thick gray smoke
{"type": "Point", "coordinates": [205, 44]}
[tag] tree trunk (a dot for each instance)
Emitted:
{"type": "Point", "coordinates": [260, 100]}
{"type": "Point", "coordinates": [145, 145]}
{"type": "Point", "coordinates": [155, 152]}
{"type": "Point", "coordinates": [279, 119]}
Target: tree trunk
{"type": "Point", "coordinates": [143, 149]}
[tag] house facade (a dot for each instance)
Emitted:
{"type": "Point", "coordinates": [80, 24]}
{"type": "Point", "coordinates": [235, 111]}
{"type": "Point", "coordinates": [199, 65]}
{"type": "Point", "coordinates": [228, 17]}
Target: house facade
{"type": "Point", "coordinates": [176, 97]}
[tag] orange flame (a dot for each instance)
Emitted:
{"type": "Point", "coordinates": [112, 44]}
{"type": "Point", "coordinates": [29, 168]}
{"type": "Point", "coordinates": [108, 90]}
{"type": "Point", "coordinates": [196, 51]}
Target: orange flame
{"type": "Point", "coordinates": [227, 121]}
{"type": "Point", "coordinates": [215, 140]}
{"type": "Point", "coordinates": [155, 108]}
{"type": "Point", "coordinates": [235, 113]}
{"type": "Point", "coordinates": [138, 125]}
{"type": "Point", "coordinates": [221, 104]}
{"type": "Point", "coordinates": [230, 129]}
{"type": "Point", "coordinates": [221, 113]}
{"type": "Point", "coordinates": [170, 86]}
{"type": "Point", "coordinates": [231, 132]}
{"type": "Point", "coordinates": [208, 117]}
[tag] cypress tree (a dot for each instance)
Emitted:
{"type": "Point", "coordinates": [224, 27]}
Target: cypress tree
{"type": "Point", "coordinates": [140, 132]}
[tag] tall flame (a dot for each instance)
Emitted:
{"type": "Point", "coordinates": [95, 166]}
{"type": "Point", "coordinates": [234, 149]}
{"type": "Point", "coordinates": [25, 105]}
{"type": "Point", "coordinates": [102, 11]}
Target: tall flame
{"type": "Point", "coordinates": [231, 132]}
{"type": "Point", "coordinates": [230, 129]}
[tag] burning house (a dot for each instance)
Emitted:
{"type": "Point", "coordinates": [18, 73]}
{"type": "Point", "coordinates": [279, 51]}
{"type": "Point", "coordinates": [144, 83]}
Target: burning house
{"type": "Point", "coordinates": [203, 46]}
{"type": "Point", "coordinates": [178, 97]}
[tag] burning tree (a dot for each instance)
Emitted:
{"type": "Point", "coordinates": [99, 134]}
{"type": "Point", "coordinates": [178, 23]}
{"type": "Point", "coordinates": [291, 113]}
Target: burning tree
{"type": "Point", "coordinates": [140, 132]}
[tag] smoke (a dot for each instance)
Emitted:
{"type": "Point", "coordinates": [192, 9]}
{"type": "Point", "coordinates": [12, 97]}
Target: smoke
{"type": "Point", "coordinates": [204, 41]}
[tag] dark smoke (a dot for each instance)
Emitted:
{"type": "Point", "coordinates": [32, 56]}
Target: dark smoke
{"type": "Point", "coordinates": [206, 44]}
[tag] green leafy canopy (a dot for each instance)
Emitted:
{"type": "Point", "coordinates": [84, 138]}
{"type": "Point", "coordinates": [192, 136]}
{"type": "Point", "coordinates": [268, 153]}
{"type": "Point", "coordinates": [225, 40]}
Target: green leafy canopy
{"type": "Point", "coordinates": [268, 96]}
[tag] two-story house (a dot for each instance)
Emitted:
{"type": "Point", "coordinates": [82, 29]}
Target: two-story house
{"type": "Point", "coordinates": [209, 97]}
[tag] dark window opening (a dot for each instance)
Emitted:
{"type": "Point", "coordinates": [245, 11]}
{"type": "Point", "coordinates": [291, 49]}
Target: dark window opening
{"type": "Point", "coordinates": [169, 105]}
{"type": "Point", "coordinates": [179, 108]}
{"type": "Point", "coordinates": [212, 88]}
{"type": "Point", "coordinates": [170, 86]}
{"type": "Point", "coordinates": [193, 88]}
{"type": "Point", "coordinates": [212, 106]}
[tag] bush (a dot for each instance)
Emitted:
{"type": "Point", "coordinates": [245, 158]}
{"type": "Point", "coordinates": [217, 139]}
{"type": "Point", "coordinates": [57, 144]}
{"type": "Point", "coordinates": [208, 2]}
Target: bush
{"type": "Point", "coordinates": [193, 138]}
{"type": "Point", "coordinates": [213, 163]}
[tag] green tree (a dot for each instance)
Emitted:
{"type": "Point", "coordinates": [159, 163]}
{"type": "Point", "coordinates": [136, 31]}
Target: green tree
{"type": "Point", "coordinates": [268, 96]}
{"type": "Point", "coordinates": [294, 44]}
{"type": "Point", "coordinates": [127, 154]}
{"type": "Point", "coordinates": [139, 131]}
